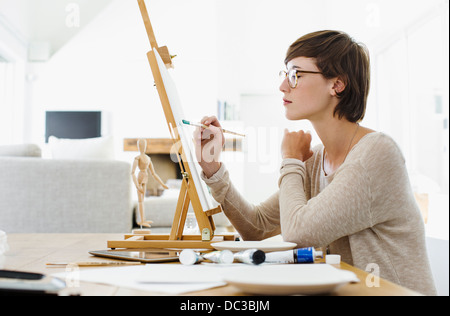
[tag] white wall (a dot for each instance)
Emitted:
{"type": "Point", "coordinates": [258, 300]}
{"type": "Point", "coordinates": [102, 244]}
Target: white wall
{"type": "Point", "coordinates": [13, 53]}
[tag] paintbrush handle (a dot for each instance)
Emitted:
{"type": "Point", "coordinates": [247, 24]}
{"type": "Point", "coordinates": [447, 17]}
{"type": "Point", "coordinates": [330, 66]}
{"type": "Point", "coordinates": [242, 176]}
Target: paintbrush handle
{"type": "Point", "coordinates": [206, 127]}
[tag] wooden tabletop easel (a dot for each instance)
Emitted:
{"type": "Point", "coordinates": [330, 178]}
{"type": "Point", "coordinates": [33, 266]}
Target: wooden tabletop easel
{"type": "Point", "coordinates": [189, 191]}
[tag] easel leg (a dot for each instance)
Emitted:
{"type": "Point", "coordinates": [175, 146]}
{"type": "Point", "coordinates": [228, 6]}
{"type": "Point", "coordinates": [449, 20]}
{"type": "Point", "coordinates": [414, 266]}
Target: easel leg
{"type": "Point", "coordinates": [180, 213]}
{"type": "Point", "coordinates": [183, 217]}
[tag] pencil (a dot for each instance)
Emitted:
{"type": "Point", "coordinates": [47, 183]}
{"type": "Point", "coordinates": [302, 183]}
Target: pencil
{"type": "Point", "coordinates": [205, 126]}
{"type": "Point", "coordinates": [96, 263]}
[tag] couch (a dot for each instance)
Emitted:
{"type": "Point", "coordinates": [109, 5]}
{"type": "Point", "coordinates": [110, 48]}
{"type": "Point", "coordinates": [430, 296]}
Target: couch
{"type": "Point", "coordinates": [63, 196]}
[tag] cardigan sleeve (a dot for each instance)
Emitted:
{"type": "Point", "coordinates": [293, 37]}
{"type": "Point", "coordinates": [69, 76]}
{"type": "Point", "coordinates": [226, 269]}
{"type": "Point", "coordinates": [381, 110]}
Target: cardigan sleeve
{"type": "Point", "coordinates": [341, 209]}
{"type": "Point", "coordinates": [253, 222]}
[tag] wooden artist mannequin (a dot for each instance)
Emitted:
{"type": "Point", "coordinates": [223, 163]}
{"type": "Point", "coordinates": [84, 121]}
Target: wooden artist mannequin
{"type": "Point", "coordinates": [144, 163]}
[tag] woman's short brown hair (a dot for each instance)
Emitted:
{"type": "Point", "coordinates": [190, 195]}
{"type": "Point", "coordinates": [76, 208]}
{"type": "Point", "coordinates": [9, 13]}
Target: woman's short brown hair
{"type": "Point", "coordinates": [338, 55]}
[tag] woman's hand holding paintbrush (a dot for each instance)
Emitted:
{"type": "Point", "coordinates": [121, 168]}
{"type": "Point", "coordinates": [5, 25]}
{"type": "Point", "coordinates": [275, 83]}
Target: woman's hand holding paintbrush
{"type": "Point", "coordinates": [209, 143]}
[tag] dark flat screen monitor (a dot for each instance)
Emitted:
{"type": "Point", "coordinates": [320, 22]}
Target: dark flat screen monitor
{"type": "Point", "coordinates": [73, 125]}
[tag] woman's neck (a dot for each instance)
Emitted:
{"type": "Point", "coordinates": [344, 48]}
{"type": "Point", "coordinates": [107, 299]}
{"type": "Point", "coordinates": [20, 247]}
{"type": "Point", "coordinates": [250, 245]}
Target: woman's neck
{"type": "Point", "coordinates": [338, 137]}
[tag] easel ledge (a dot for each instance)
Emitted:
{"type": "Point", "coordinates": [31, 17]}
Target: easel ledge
{"type": "Point", "coordinates": [135, 241]}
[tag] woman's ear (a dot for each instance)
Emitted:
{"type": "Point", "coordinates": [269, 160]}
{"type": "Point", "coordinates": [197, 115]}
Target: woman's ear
{"type": "Point", "coordinates": [338, 86]}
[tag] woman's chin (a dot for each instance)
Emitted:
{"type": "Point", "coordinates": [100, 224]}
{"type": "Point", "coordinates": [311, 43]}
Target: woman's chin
{"type": "Point", "coordinates": [293, 117]}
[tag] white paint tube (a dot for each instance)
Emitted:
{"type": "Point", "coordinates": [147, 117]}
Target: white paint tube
{"type": "Point", "coordinates": [224, 256]}
{"type": "Point", "coordinates": [190, 257]}
{"type": "Point", "coordinates": [250, 256]}
{"type": "Point", "coordinates": [3, 243]}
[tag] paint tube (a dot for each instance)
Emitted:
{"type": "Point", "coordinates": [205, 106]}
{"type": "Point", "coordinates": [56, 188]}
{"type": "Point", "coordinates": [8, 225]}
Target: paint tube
{"type": "Point", "coordinates": [190, 257]}
{"type": "Point", "coordinates": [250, 256]}
{"type": "Point", "coordinates": [301, 255]}
{"type": "Point", "coordinates": [225, 256]}
{"type": "Point", "coordinates": [3, 243]}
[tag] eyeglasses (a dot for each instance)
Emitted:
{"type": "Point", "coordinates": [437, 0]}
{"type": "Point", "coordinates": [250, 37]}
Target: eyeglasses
{"type": "Point", "coordinates": [293, 76]}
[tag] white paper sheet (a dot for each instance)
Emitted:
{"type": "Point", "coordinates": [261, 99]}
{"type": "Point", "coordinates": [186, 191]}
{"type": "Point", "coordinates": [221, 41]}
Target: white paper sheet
{"type": "Point", "coordinates": [199, 273]}
{"type": "Point", "coordinates": [174, 279]}
{"type": "Point", "coordinates": [170, 279]}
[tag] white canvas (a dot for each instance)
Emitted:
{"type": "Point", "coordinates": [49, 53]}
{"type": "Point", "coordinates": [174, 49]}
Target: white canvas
{"type": "Point", "coordinates": [185, 135]}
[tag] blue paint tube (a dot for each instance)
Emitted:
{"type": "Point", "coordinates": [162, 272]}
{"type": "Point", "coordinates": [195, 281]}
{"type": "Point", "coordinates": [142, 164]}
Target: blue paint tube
{"type": "Point", "coordinates": [301, 255]}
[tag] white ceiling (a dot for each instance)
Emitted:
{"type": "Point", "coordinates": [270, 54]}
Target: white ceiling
{"type": "Point", "coordinates": [45, 20]}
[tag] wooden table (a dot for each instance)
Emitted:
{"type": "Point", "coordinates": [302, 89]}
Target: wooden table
{"type": "Point", "coordinates": [31, 252]}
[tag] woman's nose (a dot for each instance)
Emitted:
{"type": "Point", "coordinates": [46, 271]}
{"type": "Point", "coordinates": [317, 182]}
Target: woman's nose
{"type": "Point", "coordinates": [284, 87]}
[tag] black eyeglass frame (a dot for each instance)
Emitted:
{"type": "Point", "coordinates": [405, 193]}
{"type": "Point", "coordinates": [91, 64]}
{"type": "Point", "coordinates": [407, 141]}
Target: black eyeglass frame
{"type": "Point", "coordinates": [285, 74]}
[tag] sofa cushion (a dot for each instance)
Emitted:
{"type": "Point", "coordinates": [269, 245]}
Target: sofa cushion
{"type": "Point", "coordinates": [100, 148]}
{"type": "Point", "coordinates": [24, 150]}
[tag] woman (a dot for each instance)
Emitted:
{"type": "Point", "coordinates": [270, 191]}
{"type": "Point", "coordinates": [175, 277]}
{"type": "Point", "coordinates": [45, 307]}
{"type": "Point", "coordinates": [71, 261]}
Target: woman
{"type": "Point", "coordinates": [351, 194]}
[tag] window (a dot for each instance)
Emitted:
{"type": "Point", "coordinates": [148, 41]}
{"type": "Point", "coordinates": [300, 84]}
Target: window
{"type": "Point", "coordinates": [412, 99]}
